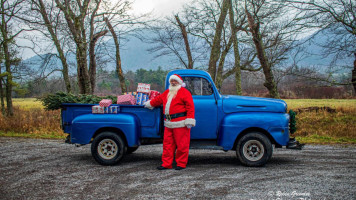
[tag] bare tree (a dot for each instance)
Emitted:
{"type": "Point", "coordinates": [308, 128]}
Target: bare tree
{"type": "Point", "coordinates": [75, 14]}
{"type": "Point", "coordinates": [8, 10]}
{"type": "Point", "coordinates": [170, 37]}
{"type": "Point", "coordinates": [216, 47]}
{"type": "Point", "coordinates": [186, 42]}
{"type": "Point", "coordinates": [237, 64]}
{"type": "Point", "coordinates": [121, 24]}
{"type": "Point", "coordinates": [337, 20]}
{"type": "Point", "coordinates": [93, 38]}
{"type": "Point", "coordinates": [117, 56]}
{"type": "Point", "coordinates": [257, 39]}
{"type": "Point", "coordinates": [45, 18]}
{"type": "Point", "coordinates": [274, 28]}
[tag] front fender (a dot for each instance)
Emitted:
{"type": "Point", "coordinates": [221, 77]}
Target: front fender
{"type": "Point", "coordinates": [84, 127]}
{"type": "Point", "coordinates": [276, 124]}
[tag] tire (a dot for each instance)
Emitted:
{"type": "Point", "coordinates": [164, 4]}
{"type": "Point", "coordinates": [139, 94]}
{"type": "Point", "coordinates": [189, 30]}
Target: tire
{"type": "Point", "coordinates": [131, 150]}
{"type": "Point", "coordinates": [254, 149]}
{"type": "Point", "coordinates": [108, 148]}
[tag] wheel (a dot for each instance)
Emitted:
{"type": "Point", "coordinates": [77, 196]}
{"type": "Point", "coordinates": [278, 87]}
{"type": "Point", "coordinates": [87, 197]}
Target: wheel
{"type": "Point", "coordinates": [254, 149]}
{"type": "Point", "coordinates": [108, 148]}
{"type": "Point", "coordinates": [131, 150]}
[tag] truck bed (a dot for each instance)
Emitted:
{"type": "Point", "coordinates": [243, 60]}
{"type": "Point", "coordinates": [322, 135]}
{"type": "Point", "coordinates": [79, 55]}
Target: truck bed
{"type": "Point", "coordinates": [150, 120]}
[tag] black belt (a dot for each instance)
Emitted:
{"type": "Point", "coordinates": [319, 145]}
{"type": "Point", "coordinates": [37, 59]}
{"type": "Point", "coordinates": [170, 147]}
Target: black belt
{"type": "Point", "coordinates": [170, 117]}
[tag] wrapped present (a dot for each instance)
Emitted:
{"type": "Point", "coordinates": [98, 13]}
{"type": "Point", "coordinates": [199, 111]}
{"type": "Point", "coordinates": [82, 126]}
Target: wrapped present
{"type": "Point", "coordinates": [97, 109]}
{"type": "Point", "coordinates": [143, 88]}
{"type": "Point", "coordinates": [105, 102]}
{"type": "Point", "coordinates": [126, 99]}
{"type": "Point", "coordinates": [144, 98]}
{"type": "Point", "coordinates": [114, 109]}
{"type": "Point", "coordinates": [154, 94]}
{"type": "Point", "coordinates": [132, 93]}
{"type": "Point", "coordinates": [106, 110]}
{"type": "Point", "coordinates": [141, 98]}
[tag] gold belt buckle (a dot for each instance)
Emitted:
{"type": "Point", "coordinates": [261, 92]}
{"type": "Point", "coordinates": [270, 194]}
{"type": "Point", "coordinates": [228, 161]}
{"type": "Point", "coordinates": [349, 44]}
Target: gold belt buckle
{"type": "Point", "coordinates": [168, 117]}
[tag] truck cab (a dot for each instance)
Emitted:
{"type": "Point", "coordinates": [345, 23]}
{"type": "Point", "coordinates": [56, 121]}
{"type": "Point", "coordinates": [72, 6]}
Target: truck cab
{"type": "Point", "coordinates": [250, 126]}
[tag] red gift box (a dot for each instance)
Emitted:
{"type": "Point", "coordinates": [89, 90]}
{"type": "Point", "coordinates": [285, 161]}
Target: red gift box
{"type": "Point", "coordinates": [105, 102]}
{"type": "Point", "coordinates": [154, 94]}
{"type": "Point", "coordinates": [143, 88]}
{"type": "Point", "coordinates": [126, 99]}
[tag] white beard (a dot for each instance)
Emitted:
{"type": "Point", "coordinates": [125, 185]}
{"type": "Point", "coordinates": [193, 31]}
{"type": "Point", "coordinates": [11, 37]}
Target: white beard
{"type": "Point", "coordinates": [173, 90]}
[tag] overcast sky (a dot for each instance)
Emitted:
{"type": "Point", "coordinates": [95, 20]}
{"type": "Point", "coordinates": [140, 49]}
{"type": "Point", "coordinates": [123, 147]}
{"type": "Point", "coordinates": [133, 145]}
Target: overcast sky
{"type": "Point", "coordinates": [159, 8]}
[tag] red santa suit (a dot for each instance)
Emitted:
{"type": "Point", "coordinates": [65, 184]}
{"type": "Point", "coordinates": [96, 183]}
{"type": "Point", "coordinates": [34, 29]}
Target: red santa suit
{"type": "Point", "coordinates": [177, 130]}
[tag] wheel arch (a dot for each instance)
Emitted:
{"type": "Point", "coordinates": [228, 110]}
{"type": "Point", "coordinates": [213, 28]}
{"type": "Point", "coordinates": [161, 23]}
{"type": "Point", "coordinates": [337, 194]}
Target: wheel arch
{"type": "Point", "coordinates": [254, 129]}
{"type": "Point", "coordinates": [115, 130]}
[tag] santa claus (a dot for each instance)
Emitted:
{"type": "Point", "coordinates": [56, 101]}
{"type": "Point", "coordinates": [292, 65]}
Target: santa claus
{"type": "Point", "coordinates": [178, 110]}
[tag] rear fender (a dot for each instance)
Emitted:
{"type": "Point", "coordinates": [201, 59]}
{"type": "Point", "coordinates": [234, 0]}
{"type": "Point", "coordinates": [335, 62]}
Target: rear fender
{"type": "Point", "coordinates": [274, 125]}
{"type": "Point", "coordinates": [85, 126]}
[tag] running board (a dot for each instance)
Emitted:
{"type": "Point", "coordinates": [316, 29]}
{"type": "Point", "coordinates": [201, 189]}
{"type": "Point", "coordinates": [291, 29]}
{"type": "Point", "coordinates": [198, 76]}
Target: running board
{"type": "Point", "coordinates": [207, 147]}
{"type": "Point", "coordinates": [204, 144]}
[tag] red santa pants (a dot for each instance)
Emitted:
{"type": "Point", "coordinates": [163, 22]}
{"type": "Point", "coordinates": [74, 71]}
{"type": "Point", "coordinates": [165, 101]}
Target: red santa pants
{"type": "Point", "coordinates": [175, 139]}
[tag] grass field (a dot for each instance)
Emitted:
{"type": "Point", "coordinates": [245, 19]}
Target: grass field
{"type": "Point", "coordinates": [314, 127]}
{"type": "Point", "coordinates": [27, 104]}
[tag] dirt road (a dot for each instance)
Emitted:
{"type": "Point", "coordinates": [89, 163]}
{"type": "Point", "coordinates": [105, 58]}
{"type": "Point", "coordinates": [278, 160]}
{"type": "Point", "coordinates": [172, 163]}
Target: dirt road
{"type": "Point", "coordinates": [50, 169]}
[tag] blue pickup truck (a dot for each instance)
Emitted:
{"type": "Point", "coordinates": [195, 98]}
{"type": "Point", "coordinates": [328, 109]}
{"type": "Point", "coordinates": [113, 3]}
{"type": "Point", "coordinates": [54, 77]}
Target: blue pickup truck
{"type": "Point", "coordinates": [248, 125]}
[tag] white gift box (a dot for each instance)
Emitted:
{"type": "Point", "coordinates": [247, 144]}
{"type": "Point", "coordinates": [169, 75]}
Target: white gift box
{"type": "Point", "coordinates": [97, 109]}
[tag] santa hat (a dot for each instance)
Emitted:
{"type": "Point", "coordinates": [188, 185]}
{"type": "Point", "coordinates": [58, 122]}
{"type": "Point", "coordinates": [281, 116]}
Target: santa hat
{"type": "Point", "coordinates": [177, 78]}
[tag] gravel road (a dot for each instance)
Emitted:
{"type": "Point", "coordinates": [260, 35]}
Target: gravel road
{"type": "Point", "coordinates": [50, 169]}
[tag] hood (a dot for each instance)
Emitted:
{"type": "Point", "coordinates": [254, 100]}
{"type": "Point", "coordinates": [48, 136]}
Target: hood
{"type": "Point", "coordinates": [233, 103]}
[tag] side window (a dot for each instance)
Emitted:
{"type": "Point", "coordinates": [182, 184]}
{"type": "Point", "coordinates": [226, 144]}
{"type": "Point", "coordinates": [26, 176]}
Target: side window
{"type": "Point", "coordinates": [198, 86]}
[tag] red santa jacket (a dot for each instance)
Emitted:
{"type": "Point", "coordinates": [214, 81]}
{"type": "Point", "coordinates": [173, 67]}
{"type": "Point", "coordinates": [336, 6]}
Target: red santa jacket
{"type": "Point", "coordinates": [182, 102]}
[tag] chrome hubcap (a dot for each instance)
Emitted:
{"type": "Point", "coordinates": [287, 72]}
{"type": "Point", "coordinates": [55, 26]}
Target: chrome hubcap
{"type": "Point", "coordinates": [107, 149]}
{"type": "Point", "coordinates": [253, 150]}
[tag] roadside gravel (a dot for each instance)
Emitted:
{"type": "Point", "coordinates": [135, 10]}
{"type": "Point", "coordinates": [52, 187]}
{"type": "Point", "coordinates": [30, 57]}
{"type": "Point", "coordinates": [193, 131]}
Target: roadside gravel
{"type": "Point", "coordinates": [50, 169]}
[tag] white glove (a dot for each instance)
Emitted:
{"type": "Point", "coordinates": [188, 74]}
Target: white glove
{"type": "Point", "coordinates": [147, 105]}
{"type": "Point", "coordinates": [189, 126]}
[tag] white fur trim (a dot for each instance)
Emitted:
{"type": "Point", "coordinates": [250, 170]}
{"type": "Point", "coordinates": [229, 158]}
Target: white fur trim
{"type": "Point", "coordinates": [169, 101]}
{"type": "Point", "coordinates": [183, 84]}
{"type": "Point", "coordinates": [168, 105]}
{"type": "Point", "coordinates": [178, 124]}
{"type": "Point", "coordinates": [148, 105]}
{"type": "Point", "coordinates": [190, 121]}
{"type": "Point", "coordinates": [174, 77]}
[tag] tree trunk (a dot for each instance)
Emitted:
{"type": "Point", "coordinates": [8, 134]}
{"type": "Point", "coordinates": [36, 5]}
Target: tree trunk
{"type": "Point", "coordinates": [92, 61]}
{"type": "Point", "coordinates": [5, 43]}
{"type": "Point", "coordinates": [257, 40]}
{"type": "Point", "coordinates": [237, 64]}
{"type": "Point", "coordinates": [57, 44]}
{"type": "Point", "coordinates": [118, 58]}
{"type": "Point", "coordinates": [219, 76]}
{"type": "Point", "coordinates": [76, 25]}
{"type": "Point", "coordinates": [83, 74]}
{"type": "Point", "coordinates": [2, 95]}
{"type": "Point", "coordinates": [353, 80]}
{"type": "Point", "coordinates": [10, 110]}
{"type": "Point", "coordinates": [215, 49]}
{"type": "Point", "coordinates": [186, 42]}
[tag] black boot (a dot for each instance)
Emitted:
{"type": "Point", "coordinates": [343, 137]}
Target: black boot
{"type": "Point", "coordinates": [180, 168]}
{"type": "Point", "coordinates": [161, 168]}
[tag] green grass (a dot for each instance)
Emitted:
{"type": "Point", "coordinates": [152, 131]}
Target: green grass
{"type": "Point", "coordinates": [27, 103]}
{"type": "Point", "coordinates": [332, 103]}
{"type": "Point", "coordinates": [312, 127]}
{"type": "Point", "coordinates": [52, 135]}
{"type": "Point", "coordinates": [317, 139]}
